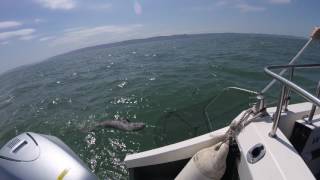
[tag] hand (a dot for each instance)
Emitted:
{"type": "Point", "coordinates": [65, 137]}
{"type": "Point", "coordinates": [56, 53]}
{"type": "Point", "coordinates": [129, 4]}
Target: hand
{"type": "Point", "coordinates": [315, 33]}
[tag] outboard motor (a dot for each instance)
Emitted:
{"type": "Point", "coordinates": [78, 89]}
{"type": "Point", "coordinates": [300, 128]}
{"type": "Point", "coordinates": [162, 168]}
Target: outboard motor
{"type": "Point", "coordinates": [306, 140]}
{"type": "Point", "coordinates": [37, 156]}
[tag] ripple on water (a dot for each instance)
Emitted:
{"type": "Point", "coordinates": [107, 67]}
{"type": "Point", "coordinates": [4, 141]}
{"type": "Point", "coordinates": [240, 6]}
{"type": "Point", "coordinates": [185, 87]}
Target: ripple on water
{"type": "Point", "coordinates": [124, 100]}
{"type": "Point", "coordinates": [90, 139]}
{"type": "Point", "coordinates": [213, 74]}
{"type": "Point", "coordinates": [54, 102]}
{"type": "Point", "coordinates": [118, 145]}
{"type": "Point", "coordinates": [122, 84]}
{"type": "Point", "coordinates": [6, 102]}
{"type": "Point", "coordinates": [9, 99]}
{"type": "Point", "coordinates": [93, 164]}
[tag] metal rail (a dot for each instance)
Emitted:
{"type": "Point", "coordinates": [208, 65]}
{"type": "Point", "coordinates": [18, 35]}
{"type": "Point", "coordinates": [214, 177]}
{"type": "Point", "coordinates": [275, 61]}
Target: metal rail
{"type": "Point", "coordinates": [294, 59]}
{"type": "Point", "coordinates": [287, 95]}
{"type": "Point", "coordinates": [289, 85]}
{"type": "Point", "coordinates": [313, 109]}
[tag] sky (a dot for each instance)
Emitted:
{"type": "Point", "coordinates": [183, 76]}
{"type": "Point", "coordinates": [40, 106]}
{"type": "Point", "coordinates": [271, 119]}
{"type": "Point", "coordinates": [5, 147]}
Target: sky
{"type": "Point", "coordinates": [34, 30]}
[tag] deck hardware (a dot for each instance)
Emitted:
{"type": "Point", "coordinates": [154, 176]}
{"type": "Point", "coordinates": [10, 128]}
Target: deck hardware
{"type": "Point", "coordinates": [287, 93]}
{"type": "Point", "coordinates": [261, 102]}
{"type": "Point", "coordinates": [256, 153]}
{"type": "Point", "coordinates": [313, 109]}
{"type": "Point", "coordinates": [277, 115]}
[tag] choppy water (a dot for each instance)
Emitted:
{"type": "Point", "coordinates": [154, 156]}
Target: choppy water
{"type": "Point", "coordinates": [165, 83]}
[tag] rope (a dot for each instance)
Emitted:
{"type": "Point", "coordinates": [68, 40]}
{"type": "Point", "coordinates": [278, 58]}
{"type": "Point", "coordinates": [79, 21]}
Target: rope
{"type": "Point", "coordinates": [218, 96]}
{"type": "Point", "coordinates": [236, 126]}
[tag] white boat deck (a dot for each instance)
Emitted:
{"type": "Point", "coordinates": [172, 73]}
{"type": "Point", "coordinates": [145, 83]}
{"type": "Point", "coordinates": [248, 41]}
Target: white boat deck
{"type": "Point", "coordinates": [281, 160]}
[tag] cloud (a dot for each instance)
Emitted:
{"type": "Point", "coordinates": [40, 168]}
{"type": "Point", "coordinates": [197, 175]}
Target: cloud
{"type": "Point", "coordinates": [57, 4]}
{"type": "Point", "coordinates": [39, 20]}
{"type": "Point", "coordinates": [9, 24]}
{"type": "Point", "coordinates": [27, 37]}
{"type": "Point", "coordinates": [47, 38]}
{"type": "Point", "coordinates": [71, 4]}
{"type": "Point", "coordinates": [279, 1]}
{"type": "Point", "coordinates": [100, 6]}
{"type": "Point", "coordinates": [250, 8]}
{"type": "Point", "coordinates": [4, 43]}
{"type": "Point", "coordinates": [73, 29]}
{"type": "Point", "coordinates": [221, 3]}
{"type": "Point", "coordinates": [241, 5]}
{"type": "Point", "coordinates": [99, 34]}
{"type": "Point", "coordinates": [21, 33]}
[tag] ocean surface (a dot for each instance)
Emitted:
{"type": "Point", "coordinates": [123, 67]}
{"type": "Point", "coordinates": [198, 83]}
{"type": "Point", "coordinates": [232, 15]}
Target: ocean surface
{"type": "Point", "coordinates": [173, 84]}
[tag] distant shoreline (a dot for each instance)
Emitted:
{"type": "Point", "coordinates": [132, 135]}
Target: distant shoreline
{"type": "Point", "coordinates": [149, 39]}
{"type": "Point", "coordinates": [171, 37]}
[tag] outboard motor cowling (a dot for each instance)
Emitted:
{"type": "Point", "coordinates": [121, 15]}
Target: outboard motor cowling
{"type": "Point", "coordinates": [37, 156]}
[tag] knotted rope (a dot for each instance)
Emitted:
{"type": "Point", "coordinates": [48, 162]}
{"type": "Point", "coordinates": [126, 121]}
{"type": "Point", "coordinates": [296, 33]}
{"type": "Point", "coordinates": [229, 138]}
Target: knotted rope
{"type": "Point", "coordinates": [236, 126]}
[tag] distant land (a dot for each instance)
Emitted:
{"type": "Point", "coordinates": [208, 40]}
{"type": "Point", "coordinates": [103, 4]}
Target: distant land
{"type": "Point", "coordinates": [172, 37]}
{"type": "Point", "coordinates": [151, 39]}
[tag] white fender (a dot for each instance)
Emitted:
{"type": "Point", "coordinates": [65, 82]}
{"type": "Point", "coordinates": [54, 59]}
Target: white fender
{"type": "Point", "coordinates": [207, 164]}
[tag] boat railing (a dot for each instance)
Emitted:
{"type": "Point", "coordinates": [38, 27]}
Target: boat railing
{"type": "Point", "coordinates": [294, 59]}
{"type": "Point", "coordinates": [287, 86]}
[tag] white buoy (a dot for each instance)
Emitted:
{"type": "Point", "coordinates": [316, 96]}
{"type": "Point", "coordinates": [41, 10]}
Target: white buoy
{"type": "Point", "coordinates": [207, 164]}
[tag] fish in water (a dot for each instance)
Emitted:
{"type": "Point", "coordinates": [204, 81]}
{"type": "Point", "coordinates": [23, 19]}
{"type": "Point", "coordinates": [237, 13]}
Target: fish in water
{"type": "Point", "coordinates": [121, 124]}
